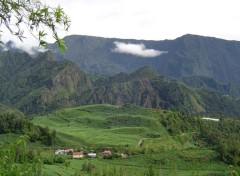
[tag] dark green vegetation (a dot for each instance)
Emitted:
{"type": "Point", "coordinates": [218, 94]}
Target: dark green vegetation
{"type": "Point", "coordinates": [189, 55]}
{"type": "Point", "coordinates": [209, 84]}
{"type": "Point", "coordinates": [171, 139]}
{"type": "Point", "coordinates": [7, 110]}
{"type": "Point", "coordinates": [155, 141]}
{"type": "Point", "coordinates": [146, 88]}
{"type": "Point", "coordinates": [42, 84]}
{"type": "Point", "coordinates": [32, 14]}
{"type": "Point", "coordinates": [38, 85]}
{"type": "Point", "coordinates": [16, 160]}
{"type": "Point", "coordinates": [13, 123]}
{"type": "Point", "coordinates": [167, 141]}
{"type": "Point", "coordinates": [223, 136]}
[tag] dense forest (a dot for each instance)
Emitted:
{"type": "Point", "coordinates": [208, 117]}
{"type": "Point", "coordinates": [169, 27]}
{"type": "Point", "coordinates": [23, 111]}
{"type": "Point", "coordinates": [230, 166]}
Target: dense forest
{"type": "Point", "coordinates": [11, 123]}
{"type": "Point", "coordinates": [42, 84]}
{"type": "Point", "coordinates": [222, 135]}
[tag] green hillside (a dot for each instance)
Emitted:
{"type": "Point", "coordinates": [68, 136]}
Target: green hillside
{"type": "Point", "coordinates": [41, 85]}
{"type": "Point", "coordinates": [146, 88]}
{"type": "Point", "coordinates": [167, 141]}
{"type": "Point", "coordinates": [174, 114]}
{"type": "Point", "coordinates": [201, 82]}
{"type": "Point", "coordinates": [5, 109]}
{"type": "Point", "coordinates": [103, 124]}
{"type": "Point", "coordinates": [38, 85]}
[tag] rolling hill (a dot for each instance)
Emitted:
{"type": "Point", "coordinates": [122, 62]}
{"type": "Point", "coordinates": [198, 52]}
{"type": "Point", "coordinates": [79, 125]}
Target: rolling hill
{"type": "Point", "coordinates": [166, 140]}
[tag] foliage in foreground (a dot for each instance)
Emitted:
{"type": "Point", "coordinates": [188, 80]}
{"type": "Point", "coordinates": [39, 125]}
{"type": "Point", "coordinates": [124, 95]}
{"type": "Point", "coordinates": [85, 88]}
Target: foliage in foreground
{"type": "Point", "coordinates": [15, 161]}
{"type": "Point", "coordinates": [35, 15]}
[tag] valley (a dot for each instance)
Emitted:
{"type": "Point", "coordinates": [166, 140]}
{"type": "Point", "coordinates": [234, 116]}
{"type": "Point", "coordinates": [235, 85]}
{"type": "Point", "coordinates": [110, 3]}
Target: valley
{"type": "Point", "coordinates": [120, 129]}
{"type": "Point", "coordinates": [155, 115]}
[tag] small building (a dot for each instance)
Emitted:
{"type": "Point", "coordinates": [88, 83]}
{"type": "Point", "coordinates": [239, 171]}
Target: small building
{"type": "Point", "coordinates": [77, 154]}
{"type": "Point", "coordinates": [107, 152]}
{"type": "Point", "coordinates": [92, 155]}
{"type": "Point", "coordinates": [59, 152]}
{"type": "Point", "coordinates": [212, 119]}
{"type": "Point", "coordinates": [69, 151]}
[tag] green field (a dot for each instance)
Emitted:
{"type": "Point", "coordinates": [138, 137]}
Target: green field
{"type": "Point", "coordinates": [103, 124]}
{"type": "Point", "coordinates": [129, 129]}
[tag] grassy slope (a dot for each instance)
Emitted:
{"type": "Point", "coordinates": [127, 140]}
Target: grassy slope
{"type": "Point", "coordinates": [89, 123]}
{"type": "Point", "coordinates": [106, 126]}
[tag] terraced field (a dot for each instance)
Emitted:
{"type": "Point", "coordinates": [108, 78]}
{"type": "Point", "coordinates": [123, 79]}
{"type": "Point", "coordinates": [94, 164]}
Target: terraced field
{"type": "Point", "coordinates": [132, 130]}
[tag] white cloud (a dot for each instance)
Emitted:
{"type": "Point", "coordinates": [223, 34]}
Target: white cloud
{"type": "Point", "coordinates": [20, 47]}
{"type": "Point", "coordinates": [148, 19]}
{"type": "Point", "coordinates": [136, 49]}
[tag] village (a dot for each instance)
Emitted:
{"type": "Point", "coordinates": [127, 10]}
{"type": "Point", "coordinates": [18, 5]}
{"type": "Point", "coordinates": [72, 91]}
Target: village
{"type": "Point", "coordinates": [107, 154]}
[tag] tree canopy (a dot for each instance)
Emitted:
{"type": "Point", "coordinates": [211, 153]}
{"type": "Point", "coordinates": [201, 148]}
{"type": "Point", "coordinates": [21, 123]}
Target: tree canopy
{"type": "Point", "coordinates": [37, 17]}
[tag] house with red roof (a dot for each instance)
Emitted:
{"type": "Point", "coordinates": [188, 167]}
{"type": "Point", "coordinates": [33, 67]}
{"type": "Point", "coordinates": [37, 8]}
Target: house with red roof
{"type": "Point", "coordinates": [77, 155]}
{"type": "Point", "coordinates": [107, 152]}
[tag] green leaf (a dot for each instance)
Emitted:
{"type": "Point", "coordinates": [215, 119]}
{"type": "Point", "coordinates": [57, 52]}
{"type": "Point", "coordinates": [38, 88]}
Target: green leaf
{"type": "Point", "coordinates": [42, 43]}
{"type": "Point", "coordinates": [58, 14]}
{"type": "Point", "coordinates": [41, 34]}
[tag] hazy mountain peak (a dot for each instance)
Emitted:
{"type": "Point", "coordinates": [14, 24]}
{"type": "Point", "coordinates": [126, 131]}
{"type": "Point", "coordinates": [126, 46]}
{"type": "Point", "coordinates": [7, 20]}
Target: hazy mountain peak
{"type": "Point", "coordinates": [47, 55]}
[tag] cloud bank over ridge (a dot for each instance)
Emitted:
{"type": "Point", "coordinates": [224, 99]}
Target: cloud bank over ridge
{"type": "Point", "coordinates": [136, 49]}
{"type": "Point", "coordinates": [20, 47]}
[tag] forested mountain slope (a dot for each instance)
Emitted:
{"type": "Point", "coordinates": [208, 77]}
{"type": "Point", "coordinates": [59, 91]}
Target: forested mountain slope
{"type": "Point", "coordinates": [148, 89]}
{"type": "Point", "coordinates": [189, 55]}
{"type": "Point", "coordinates": [42, 84]}
{"type": "Point", "coordinates": [38, 84]}
{"type": "Point", "coordinates": [201, 82]}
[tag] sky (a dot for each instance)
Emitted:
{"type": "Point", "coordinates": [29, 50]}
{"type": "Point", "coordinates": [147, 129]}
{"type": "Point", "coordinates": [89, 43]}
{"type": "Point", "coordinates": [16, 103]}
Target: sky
{"type": "Point", "coordinates": [150, 19]}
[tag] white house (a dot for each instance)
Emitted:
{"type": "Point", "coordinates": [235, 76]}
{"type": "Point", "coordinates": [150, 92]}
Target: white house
{"type": "Point", "coordinates": [92, 155]}
{"type": "Point", "coordinates": [59, 152]}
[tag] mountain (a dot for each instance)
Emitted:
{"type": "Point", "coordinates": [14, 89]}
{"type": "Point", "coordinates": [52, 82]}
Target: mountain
{"type": "Point", "coordinates": [201, 82]}
{"type": "Point", "coordinates": [40, 84]}
{"type": "Point", "coordinates": [146, 88]}
{"type": "Point", "coordinates": [189, 55]}
{"type": "Point", "coordinates": [10, 110]}
{"type": "Point", "coordinates": [43, 84]}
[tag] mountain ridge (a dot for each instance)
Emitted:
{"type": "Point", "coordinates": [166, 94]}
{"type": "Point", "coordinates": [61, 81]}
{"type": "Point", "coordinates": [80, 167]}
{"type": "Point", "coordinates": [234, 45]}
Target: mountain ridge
{"type": "Point", "coordinates": [189, 55]}
{"type": "Point", "coordinates": [155, 91]}
{"type": "Point", "coordinates": [38, 84]}
{"type": "Point", "coordinates": [43, 84]}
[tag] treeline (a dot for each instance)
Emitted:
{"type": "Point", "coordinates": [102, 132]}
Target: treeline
{"type": "Point", "coordinates": [225, 136]}
{"type": "Point", "coordinates": [222, 135]}
{"type": "Point", "coordinates": [11, 123]}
